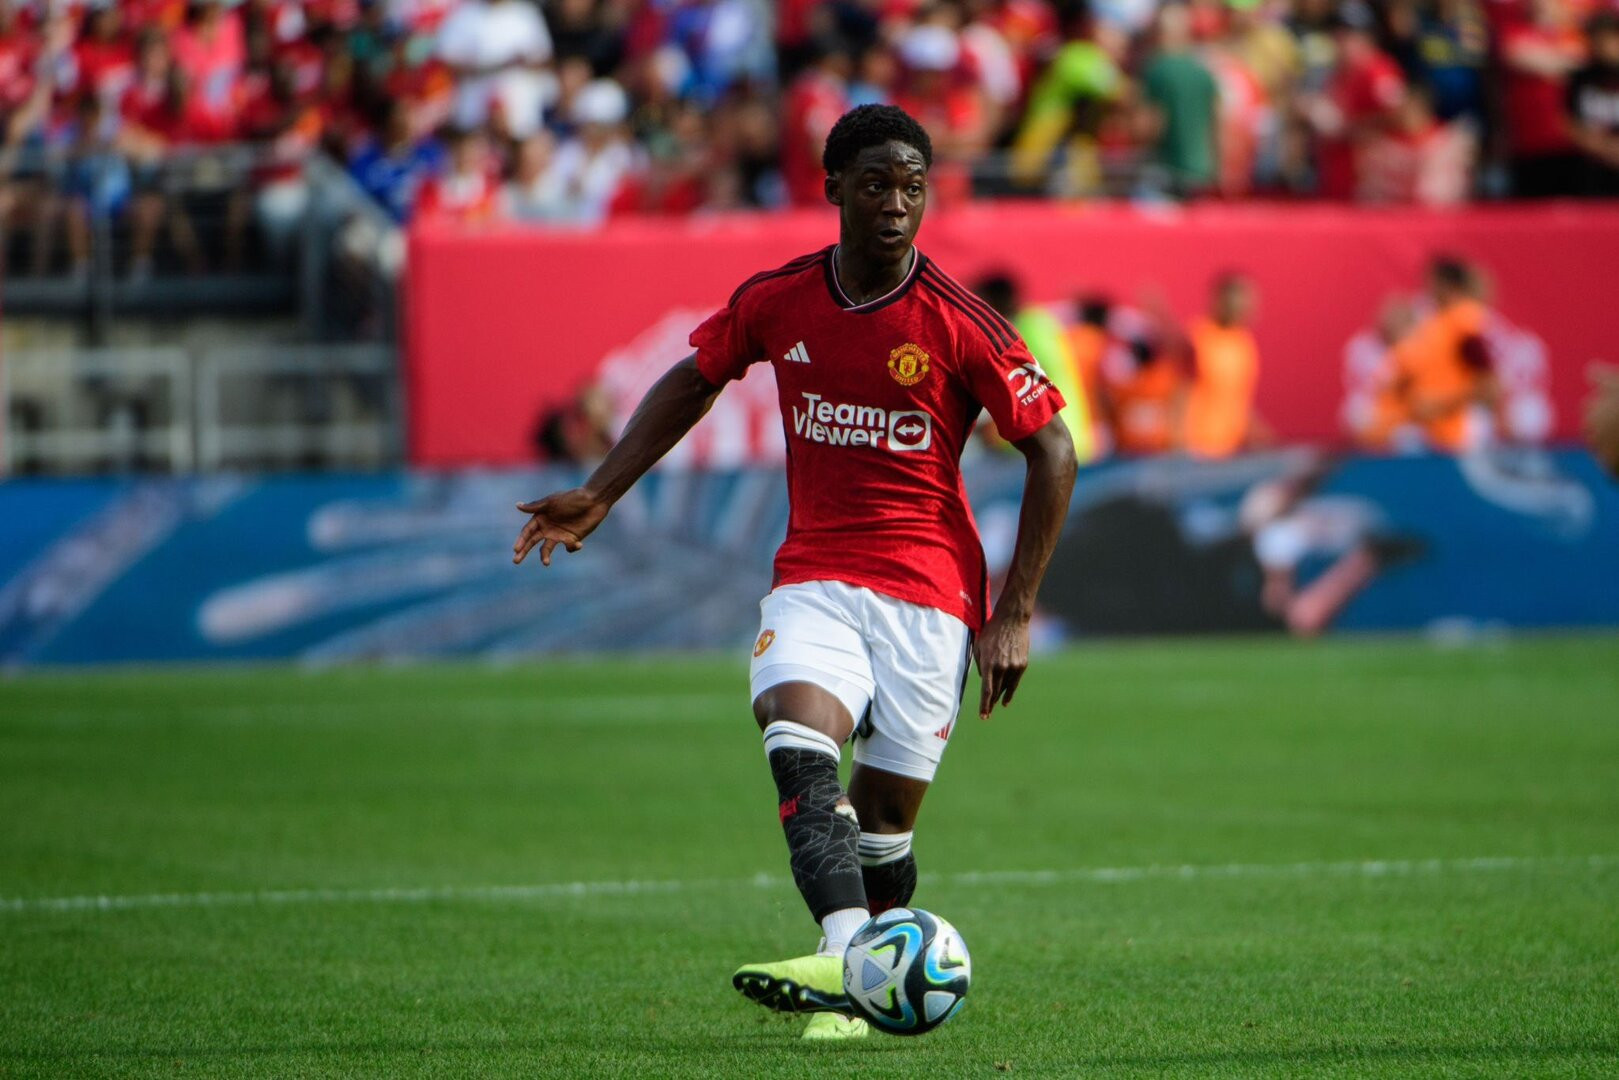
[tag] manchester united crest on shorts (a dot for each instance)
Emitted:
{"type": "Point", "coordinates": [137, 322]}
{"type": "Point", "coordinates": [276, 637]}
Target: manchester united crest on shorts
{"type": "Point", "coordinates": [766, 637]}
{"type": "Point", "coordinates": [908, 364]}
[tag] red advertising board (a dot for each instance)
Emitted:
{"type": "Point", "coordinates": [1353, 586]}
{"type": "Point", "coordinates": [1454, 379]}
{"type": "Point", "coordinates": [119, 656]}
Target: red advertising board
{"type": "Point", "coordinates": [500, 324]}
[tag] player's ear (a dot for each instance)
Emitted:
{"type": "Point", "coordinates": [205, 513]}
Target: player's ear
{"type": "Point", "coordinates": [834, 194]}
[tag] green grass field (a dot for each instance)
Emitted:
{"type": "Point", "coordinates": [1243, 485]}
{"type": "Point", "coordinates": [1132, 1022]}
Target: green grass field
{"type": "Point", "coordinates": [1352, 859]}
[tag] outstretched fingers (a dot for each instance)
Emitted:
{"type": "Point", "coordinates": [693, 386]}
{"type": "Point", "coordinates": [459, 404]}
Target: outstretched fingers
{"type": "Point", "coordinates": [540, 531]}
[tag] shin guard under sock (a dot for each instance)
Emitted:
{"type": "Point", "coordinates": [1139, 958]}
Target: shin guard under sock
{"type": "Point", "coordinates": [822, 832]}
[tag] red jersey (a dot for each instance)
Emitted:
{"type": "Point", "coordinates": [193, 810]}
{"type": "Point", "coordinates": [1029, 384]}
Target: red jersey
{"type": "Point", "coordinates": [813, 105]}
{"type": "Point", "coordinates": [877, 401]}
{"type": "Point", "coordinates": [106, 68]}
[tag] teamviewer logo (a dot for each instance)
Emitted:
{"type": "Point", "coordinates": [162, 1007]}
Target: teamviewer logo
{"type": "Point", "coordinates": [909, 431]}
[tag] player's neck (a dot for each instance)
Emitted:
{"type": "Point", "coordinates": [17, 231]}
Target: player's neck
{"type": "Point", "coordinates": [861, 281]}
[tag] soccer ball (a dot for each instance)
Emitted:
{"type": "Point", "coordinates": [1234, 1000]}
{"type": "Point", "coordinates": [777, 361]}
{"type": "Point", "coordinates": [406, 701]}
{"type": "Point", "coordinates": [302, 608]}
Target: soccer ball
{"type": "Point", "coordinates": [907, 971]}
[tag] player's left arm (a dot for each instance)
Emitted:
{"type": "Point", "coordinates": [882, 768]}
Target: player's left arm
{"type": "Point", "coordinates": [1002, 649]}
{"type": "Point", "coordinates": [670, 409]}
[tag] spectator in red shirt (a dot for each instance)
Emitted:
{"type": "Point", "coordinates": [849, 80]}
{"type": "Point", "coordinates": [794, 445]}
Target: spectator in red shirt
{"type": "Point", "coordinates": [165, 15]}
{"type": "Point", "coordinates": [290, 126]}
{"type": "Point", "coordinates": [1031, 29]}
{"type": "Point", "coordinates": [1538, 56]}
{"type": "Point", "coordinates": [19, 48]}
{"type": "Point", "coordinates": [1420, 159]}
{"type": "Point", "coordinates": [104, 55]}
{"type": "Point", "coordinates": [1361, 95]}
{"type": "Point", "coordinates": [148, 92]}
{"type": "Point", "coordinates": [814, 102]}
{"type": "Point", "coordinates": [418, 78]}
{"type": "Point", "coordinates": [212, 52]}
{"type": "Point", "coordinates": [933, 90]}
{"type": "Point", "coordinates": [469, 191]}
{"type": "Point", "coordinates": [158, 118]}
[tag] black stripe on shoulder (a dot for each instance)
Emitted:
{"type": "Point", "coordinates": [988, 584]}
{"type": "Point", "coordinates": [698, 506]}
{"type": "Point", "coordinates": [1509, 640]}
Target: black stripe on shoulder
{"type": "Point", "coordinates": [991, 329]}
{"type": "Point", "coordinates": [798, 265]}
{"type": "Point", "coordinates": [1006, 332]}
{"type": "Point", "coordinates": [974, 299]}
{"type": "Point", "coordinates": [988, 329]}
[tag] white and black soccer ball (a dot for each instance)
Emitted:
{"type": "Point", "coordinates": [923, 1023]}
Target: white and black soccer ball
{"type": "Point", "coordinates": [907, 971]}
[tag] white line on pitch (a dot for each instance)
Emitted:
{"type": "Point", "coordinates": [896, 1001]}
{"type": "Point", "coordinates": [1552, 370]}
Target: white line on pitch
{"type": "Point", "coordinates": [558, 890]}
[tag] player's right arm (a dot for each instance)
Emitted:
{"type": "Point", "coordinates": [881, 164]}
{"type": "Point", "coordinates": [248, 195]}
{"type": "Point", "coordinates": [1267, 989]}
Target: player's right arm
{"type": "Point", "coordinates": [670, 409]}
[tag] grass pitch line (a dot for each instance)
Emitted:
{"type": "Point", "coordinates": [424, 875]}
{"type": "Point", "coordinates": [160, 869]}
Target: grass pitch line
{"type": "Point", "coordinates": [1101, 875]}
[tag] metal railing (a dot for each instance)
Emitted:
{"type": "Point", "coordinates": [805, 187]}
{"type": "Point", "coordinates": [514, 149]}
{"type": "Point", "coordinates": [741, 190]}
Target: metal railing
{"type": "Point", "coordinates": [337, 289]}
{"type": "Point", "coordinates": [181, 410]}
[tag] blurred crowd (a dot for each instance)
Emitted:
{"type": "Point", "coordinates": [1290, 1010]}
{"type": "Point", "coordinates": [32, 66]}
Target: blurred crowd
{"type": "Point", "coordinates": [1440, 371]}
{"type": "Point", "coordinates": [574, 110]}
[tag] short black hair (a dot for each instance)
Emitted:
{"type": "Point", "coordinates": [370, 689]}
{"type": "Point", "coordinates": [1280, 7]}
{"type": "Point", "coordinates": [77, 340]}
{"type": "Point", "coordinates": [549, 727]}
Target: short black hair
{"type": "Point", "coordinates": [999, 290]}
{"type": "Point", "coordinates": [873, 125]}
{"type": "Point", "coordinates": [1451, 270]}
{"type": "Point", "coordinates": [1095, 309]}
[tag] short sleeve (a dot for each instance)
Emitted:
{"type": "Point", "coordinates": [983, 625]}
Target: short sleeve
{"type": "Point", "coordinates": [1013, 388]}
{"type": "Point", "coordinates": [724, 346]}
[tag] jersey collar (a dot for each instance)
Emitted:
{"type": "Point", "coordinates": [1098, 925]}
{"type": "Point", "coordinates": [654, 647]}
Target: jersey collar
{"type": "Point", "coordinates": [918, 260]}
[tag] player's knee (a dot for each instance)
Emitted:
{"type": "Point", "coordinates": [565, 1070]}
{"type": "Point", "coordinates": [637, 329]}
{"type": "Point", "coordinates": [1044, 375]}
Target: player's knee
{"type": "Point", "coordinates": [805, 706]}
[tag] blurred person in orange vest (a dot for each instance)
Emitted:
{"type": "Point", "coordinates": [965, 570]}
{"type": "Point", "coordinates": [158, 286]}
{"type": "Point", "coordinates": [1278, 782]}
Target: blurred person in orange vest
{"type": "Point", "coordinates": [1220, 419]}
{"type": "Point", "coordinates": [1089, 341]}
{"type": "Point", "coordinates": [1368, 412]}
{"type": "Point", "coordinates": [1439, 389]}
{"type": "Point", "coordinates": [1144, 389]}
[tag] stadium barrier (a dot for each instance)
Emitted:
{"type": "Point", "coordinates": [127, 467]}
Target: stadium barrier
{"type": "Point", "coordinates": [329, 569]}
{"type": "Point", "coordinates": [500, 325]}
{"type": "Point", "coordinates": [76, 410]}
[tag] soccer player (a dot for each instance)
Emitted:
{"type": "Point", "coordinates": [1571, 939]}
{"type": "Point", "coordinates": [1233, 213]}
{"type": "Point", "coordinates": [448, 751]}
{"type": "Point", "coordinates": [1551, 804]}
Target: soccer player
{"type": "Point", "coordinates": [882, 363]}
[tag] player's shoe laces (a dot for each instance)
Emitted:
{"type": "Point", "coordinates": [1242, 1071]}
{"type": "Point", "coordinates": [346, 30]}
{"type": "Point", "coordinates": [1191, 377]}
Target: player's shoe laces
{"type": "Point", "coordinates": [804, 985]}
{"type": "Point", "coordinates": [831, 1026]}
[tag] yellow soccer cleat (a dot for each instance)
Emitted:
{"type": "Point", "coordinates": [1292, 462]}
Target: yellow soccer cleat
{"type": "Point", "coordinates": [831, 1027]}
{"type": "Point", "coordinates": [807, 984]}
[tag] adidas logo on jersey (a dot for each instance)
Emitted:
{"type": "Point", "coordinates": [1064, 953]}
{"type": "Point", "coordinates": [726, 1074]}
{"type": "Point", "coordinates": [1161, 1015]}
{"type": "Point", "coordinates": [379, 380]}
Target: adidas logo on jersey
{"type": "Point", "coordinates": [797, 354]}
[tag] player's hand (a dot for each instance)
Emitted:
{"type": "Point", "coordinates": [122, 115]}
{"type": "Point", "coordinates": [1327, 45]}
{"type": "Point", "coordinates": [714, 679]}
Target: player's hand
{"type": "Point", "coordinates": [565, 518]}
{"type": "Point", "coordinates": [1602, 416]}
{"type": "Point", "coordinates": [1002, 655]}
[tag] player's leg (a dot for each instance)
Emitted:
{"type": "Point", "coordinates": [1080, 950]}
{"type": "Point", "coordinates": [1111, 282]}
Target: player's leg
{"type": "Point", "coordinates": [805, 727]}
{"type": "Point", "coordinates": [920, 659]}
{"type": "Point", "coordinates": [811, 678]}
{"type": "Point", "coordinates": [886, 804]}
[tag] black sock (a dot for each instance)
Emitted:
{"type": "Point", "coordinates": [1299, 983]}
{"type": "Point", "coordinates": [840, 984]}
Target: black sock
{"type": "Point", "coordinates": [890, 885]}
{"type": "Point", "coordinates": [822, 836]}
{"type": "Point", "coordinates": [889, 870]}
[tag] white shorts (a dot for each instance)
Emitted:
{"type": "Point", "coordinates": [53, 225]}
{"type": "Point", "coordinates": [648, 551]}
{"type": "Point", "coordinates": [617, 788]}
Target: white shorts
{"type": "Point", "coordinates": [899, 668]}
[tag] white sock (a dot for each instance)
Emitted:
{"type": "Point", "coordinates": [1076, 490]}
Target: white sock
{"type": "Point", "coordinates": [839, 927]}
{"type": "Point", "coordinates": [878, 848]}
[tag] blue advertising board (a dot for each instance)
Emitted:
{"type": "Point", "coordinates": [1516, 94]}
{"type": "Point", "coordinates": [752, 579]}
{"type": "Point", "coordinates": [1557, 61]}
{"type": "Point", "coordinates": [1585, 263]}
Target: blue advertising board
{"type": "Point", "coordinates": [328, 569]}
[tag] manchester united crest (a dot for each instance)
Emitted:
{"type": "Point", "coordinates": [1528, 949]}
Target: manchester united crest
{"type": "Point", "coordinates": [766, 639]}
{"type": "Point", "coordinates": [908, 364]}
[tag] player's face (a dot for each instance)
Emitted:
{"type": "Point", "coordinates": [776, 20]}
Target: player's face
{"type": "Point", "coordinates": [882, 195]}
